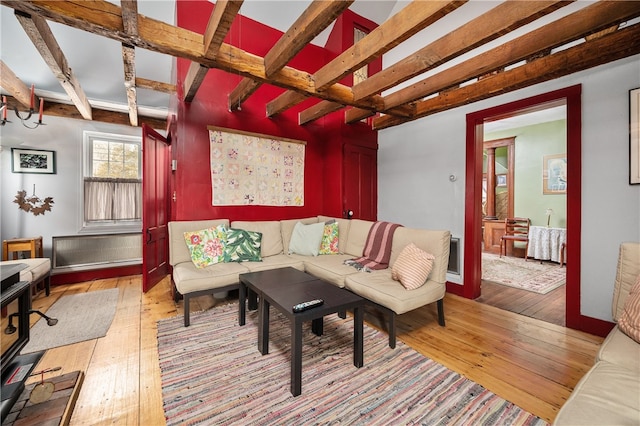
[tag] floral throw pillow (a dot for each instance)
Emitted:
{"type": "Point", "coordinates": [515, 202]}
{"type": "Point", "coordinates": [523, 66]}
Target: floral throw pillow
{"type": "Point", "coordinates": [242, 246]}
{"type": "Point", "coordinates": [629, 321]}
{"type": "Point", "coordinates": [329, 242]}
{"type": "Point", "coordinates": [206, 245]}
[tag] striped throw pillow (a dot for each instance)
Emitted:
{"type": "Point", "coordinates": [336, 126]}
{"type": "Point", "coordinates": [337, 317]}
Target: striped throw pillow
{"type": "Point", "coordinates": [412, 267]}
{"type": "Point", "coordinates": [629, 321]}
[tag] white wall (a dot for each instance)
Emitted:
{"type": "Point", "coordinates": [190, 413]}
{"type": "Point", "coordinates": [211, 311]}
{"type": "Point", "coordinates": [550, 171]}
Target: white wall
{"type": "Point", "coordinates": [64, 136]}
{"type": "Point", "coordinates": [416, 159]}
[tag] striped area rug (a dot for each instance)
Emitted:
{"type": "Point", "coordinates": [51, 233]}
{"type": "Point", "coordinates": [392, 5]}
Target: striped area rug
{"type": "Point", "coordinates": [213, 374]}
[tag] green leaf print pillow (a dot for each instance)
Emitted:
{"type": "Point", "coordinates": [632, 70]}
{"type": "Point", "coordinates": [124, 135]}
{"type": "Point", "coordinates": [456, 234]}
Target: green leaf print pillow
{"type": "Point", "coordinates": [242, 246]}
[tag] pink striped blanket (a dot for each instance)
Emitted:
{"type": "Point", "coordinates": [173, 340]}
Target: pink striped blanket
{"type": "Point", "coordinates": [377, 249]}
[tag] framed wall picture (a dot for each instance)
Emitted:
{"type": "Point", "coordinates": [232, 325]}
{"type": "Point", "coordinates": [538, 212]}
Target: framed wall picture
{"type": "Point", "coordinates": [33, 161]}
{"type": "Point", "coordinates": [554, 174]}
{"type": "Point", "coordinates": [501, 180]}
{"type": "Point", "coordinates": [634, 136]}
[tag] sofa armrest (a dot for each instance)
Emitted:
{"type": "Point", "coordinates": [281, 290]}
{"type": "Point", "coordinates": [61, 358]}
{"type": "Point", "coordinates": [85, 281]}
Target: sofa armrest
{"type": "Point", "coordinates": [626, 274]}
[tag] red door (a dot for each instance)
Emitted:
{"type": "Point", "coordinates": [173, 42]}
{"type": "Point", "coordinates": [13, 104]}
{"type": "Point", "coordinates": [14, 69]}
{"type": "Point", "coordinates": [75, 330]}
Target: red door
{"type": "Point", "coordinates": [360, 182]}
{"type": "Point", "coordinates": [156, 157]}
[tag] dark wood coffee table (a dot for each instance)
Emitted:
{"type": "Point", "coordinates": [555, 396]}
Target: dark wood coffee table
{"type": "Point", "coordinates": [284, 287]}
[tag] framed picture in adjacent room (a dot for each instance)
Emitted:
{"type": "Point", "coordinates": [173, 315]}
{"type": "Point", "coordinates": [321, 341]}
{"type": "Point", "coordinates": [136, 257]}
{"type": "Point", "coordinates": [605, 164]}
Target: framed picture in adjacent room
{"type": "Point", "coordinates": [634, 136]}
{"type": "Point", "coordinates": [554, 174]}
{"type": "Point", "coordinates": [33, 161]}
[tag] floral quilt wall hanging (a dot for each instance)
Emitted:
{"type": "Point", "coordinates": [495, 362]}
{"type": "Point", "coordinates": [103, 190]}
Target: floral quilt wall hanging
{"type": "Point", "coordinates": [252, 169]}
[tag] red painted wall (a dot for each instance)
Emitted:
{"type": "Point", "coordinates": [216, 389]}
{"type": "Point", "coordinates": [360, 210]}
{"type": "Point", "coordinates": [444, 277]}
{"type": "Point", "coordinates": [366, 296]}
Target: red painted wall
{"type": "Point", "coordinates": [190, 140]}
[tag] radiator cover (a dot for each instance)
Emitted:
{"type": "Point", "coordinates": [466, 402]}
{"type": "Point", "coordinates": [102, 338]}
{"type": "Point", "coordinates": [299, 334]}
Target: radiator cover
{"type": "Point", "coordinates": [84, 252]}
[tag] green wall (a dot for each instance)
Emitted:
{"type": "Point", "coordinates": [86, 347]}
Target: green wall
{"type": "Point", "coordinates": [531, 145]}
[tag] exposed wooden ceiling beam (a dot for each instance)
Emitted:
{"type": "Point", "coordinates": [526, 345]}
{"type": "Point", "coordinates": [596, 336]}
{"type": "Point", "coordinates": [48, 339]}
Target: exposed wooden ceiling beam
{"type": "Point", "coordinates": [129, 61]}
{"type": "Point", "coordinates": [130, 16]}
{"type": "Point", "coordinates": [318, 110]}
{"type": "Point", "coordinates": [572, 27]}
{"type": "Point", "coordinates": [318, 16]}
{"type": "Point", "coordinates": [104, 18]}
{"type": "Point", "coordinates": [130, 25]}
{"type": "Point", "coordinates": [413, 18]}
{"type": "Point", "coordinates": [353, 115]}
{"type": "Point", "coordinates": [16, 87]}
{"type": "Point", "coordinates": [192, 81]}
{"type": "Point", "coordinates": [107, 19]}
{"type": "Point", "coordinates": [496, 22]}
{"type": "Point", "coordinates": [157, 86]}
{"type": "Point", "coordinates": [55, 109]}
{"type": "Point", "coordinates": [40, 34]}
{"type": "Point", "coordinates": [241, 92]}
{"type": "Point", "coordinates": [611, 47]}
{"type": "Point", "coordinates": [410, 20]}
{"type": "Point", "coordinates": [287, 100]}
{"type": "Point", "coordinates": [224, 12]}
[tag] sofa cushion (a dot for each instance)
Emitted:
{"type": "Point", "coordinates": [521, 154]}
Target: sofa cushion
{"type": "Point", "coordinates": [412, 267]}
{"type": "Point", "coordinates": [378, 286]}
{"type": "Point", "coordinates": [206, 245]}
{"type": "Point", "coordinates": [305, 239]}
{"type": "Point", "coordinates": [188, 278]}
{"type": "Point", "coordinates": [330, 238]}
{"type": "Point", "coordinates": [620, 349]}
{"type": "Point", "coordinates": [358, 232]}
{"type": "Point", "coordinates": [178, 250]}
{"type": "Point", "coordinates": [626, 273]}
{"type": "Point", "coordinates": [606, 395]}
{"type": "Point", "coordinates": [271, 243]}
{"type": "Point", "coordinates": [242, 246]}
{"type": "Point", "coordinates": [329, 268]}
{"type": "Point", "coordinates": [629, 321]}
{"type": "Point", "coordinates": [343, 230]}
{"type": "Point", "coordinates": [273, 262]}
{"type": "Point", "coordinates": [286, 226]}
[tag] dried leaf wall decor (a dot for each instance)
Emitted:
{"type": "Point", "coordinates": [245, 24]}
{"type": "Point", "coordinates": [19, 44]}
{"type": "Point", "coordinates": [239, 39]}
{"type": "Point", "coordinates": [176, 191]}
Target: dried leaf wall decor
{"type": "Point", "coordinates": [33, 203]}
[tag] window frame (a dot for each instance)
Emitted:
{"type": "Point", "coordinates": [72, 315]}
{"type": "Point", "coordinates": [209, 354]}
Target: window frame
{"type": "Point", "coordinates": [113, 226]}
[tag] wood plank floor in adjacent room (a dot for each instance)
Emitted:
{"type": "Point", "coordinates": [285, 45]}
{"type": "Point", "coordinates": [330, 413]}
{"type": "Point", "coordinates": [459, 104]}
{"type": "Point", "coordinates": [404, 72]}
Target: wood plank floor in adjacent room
{"type": "Point", "coordinates": [529, 362]}
{"type": "Point", "coordinates": [548, 307]}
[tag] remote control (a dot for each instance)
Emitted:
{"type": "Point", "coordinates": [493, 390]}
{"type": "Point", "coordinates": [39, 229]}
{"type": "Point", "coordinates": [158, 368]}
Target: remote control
{"type": "Point", "coordinates": [307, 305]}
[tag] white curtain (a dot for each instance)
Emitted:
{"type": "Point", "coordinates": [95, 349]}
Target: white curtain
{"type": "Point", "coordinates": [112, 199]}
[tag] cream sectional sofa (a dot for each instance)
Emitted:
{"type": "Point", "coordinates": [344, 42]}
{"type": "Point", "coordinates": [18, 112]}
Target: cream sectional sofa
{"type": "Point", "coordinates": [609, 394]}
{"type": "Point", "coordinates": [377, 286]}
{"type": "Point", "coordinates": [37, 272]}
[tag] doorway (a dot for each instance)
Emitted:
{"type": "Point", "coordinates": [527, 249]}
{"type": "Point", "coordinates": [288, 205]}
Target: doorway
{"type": "Point", "coordinates": [527, 282]}
{"type": "Point", "coordinates": [473, 210]}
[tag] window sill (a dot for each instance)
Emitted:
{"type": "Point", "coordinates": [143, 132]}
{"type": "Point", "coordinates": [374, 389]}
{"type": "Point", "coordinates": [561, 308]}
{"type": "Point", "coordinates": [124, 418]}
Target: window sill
{"type": "Point", "coordinates": [110, 228]}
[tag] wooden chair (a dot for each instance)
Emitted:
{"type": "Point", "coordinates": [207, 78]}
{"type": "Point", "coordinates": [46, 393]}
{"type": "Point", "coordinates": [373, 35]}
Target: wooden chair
{"type": "Point", "coordinates": [515, 229]}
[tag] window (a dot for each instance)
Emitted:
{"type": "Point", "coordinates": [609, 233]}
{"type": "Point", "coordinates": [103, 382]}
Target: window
{"type": "Point", "coordinates": [361, 74]}
{"type": "Point", "coordinates": [112, 181]}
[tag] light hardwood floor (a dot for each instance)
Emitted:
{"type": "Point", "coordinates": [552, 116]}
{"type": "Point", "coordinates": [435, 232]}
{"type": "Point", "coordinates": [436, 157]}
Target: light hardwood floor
{"type": "Point", "coordinates": [529, 362]}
